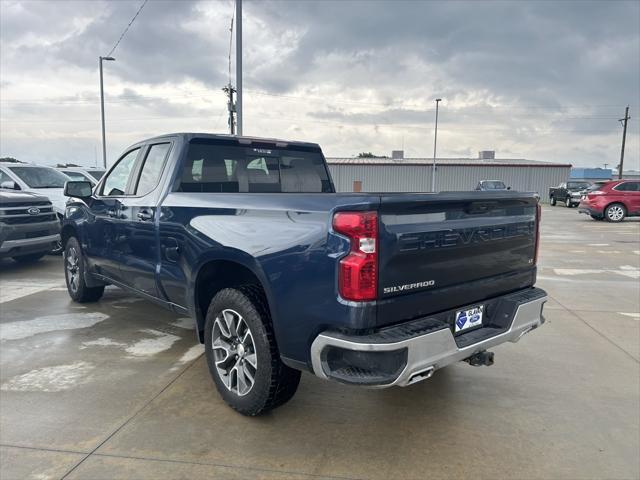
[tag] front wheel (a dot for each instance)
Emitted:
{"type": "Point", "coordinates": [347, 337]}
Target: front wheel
{"type": "Point", "coordinates": [552, 201]}
{"type": "Point", "coordinates": [615, 213]}
{"type": "Point", "coordinates": [242, 354]}
{"type": "Point", "coordinates": [74, 274]}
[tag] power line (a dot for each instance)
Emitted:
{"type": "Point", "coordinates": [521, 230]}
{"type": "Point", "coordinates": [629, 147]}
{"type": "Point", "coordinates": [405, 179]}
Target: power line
{"type": "Point", "coordinates": [127, 29]}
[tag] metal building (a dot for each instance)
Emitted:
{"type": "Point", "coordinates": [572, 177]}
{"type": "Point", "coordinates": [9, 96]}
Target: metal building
{"type": "Point", "coordinates": [414, 174]}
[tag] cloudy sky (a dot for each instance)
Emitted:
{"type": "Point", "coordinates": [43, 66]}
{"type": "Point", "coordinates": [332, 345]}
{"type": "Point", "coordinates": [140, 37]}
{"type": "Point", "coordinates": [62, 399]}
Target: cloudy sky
{"type": "Point", "coordinates": [538, 80]}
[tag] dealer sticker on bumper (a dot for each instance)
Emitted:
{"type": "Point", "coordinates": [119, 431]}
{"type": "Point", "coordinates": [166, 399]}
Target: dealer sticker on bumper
{"type": "Point", "coordinates": [469, 318]}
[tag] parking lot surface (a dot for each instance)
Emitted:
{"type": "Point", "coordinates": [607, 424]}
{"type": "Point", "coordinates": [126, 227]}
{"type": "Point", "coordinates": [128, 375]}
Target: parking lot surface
{"type": "Point", "coordinates": [120, 388]}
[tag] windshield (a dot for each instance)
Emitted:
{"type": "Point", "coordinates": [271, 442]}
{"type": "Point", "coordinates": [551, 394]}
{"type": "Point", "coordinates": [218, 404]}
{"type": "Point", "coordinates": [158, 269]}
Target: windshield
{"type": "Point", "coordinates": [76, 175]}
{"type": "Point", "coordinates": [40, 177]}
{"type": "Point", "coordinates": [494, 185]}
{"type": "Point", "coordinates": [578, 185]}
{"type": "Point", "coordinates": [97, 174]}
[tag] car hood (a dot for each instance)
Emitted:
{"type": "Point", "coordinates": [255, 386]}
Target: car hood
{"type": "Point", "coordinates": [15, 196]}
{"type": "Point", "coordinates": [56, 197]}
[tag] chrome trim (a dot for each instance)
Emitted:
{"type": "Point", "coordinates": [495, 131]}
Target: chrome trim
{"type": "Point", "coordinates": [28, 242]}
{"type": "Point", "coordinates": [432, 350]}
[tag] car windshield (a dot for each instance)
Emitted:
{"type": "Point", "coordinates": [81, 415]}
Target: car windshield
{"type": "Point", "coordinates": [578, 185]}
{"type": "Point", "coordinates": [76, 175]}
{"type": "Point", "coordinates": [40, 177]}
{"type": "Point", "coordinates": [97, 174]}
{"type": "Point", "coordinates": [494, 185]}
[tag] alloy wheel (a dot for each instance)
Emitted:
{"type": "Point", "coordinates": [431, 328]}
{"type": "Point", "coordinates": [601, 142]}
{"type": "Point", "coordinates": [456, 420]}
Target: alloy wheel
{"type": "Point", "coordinates": [234, 352]}
{"type": "Point", "coordinates": [72, 269]}
{"type": "Point", "coordinates": [615, 213]}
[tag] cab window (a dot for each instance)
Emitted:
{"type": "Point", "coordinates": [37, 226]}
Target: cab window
{"type": "Point", "coordinates": [115, 184]}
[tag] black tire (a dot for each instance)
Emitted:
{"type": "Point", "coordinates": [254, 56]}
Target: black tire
{"type": "Point", "coordinates": [567, 203]}
{"type": "Point", "coordinates": [30, 258]}
{"type": "Point", "coordinates": [273, 382]}
{"type": "Point", "coordinates": [552, 201]}
{"type": "Point", "coordinates": [615, 212]}
{"type": "Point", "coordinates": [74, 274]}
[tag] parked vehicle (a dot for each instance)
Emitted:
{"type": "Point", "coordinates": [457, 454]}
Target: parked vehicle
{"type": "Point", "coordinates": [282, 274]}
{"type": "Point", "coordinates": [80, 173]}
{"type": "Point", "coordinates": [36, 179]}
{"type": "Point", "coordinates": [29, 228]}
{"type": "Point", "coordinates": [612, 201]}
{"type": "Point", "coordinates": [491, 185]}
{"type": "Point", "coordinates": [567, 192]}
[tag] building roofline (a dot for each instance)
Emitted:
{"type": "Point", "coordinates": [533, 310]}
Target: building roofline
{"type": "Point", "coordinates": [466, 162]}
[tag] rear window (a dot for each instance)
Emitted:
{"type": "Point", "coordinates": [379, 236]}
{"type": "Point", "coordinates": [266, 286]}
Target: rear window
{"type": "Point", "coordinates": [214, 168]}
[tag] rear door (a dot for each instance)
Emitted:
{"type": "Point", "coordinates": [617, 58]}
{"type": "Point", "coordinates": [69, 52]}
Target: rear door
{"type": "Point", "coordinates": [629, 194]}
{"type": "Point", "coordinates": [451, 249]}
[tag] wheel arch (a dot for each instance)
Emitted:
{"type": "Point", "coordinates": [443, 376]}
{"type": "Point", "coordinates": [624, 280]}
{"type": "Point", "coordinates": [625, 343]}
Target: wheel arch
{"type": "Point", "coordinates": [67, 232]}
{"type": "Point", "coordinates": [217, 274]}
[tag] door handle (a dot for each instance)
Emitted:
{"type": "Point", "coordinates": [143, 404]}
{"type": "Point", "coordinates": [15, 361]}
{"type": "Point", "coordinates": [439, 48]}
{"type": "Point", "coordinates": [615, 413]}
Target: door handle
{"type": "Point", "coordinates": [145, 215]}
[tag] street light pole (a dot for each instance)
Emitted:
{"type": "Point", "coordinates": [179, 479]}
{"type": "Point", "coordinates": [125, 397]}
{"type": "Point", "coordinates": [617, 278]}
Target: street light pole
{"type": "Point", "coordinates": [104, 143]}
{"type": "Point", "coordinates": [239, 115]}
{"type": "Point", "coordinates": [435, 142]}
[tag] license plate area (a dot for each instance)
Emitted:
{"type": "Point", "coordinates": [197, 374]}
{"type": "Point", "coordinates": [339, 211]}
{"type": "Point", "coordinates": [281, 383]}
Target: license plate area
{"type": "Point", "coordinates": [467, 319]}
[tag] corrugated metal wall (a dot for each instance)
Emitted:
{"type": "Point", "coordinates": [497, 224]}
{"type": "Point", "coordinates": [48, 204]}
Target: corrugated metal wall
{"type": "Point", "coordinates": [417, 178]}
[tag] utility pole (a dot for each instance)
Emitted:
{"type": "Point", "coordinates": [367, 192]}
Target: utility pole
{"type": "Point", "coordinates": [229, 90]}
{"type": "Point", "coordinates": [239, 65]}
{"type": "Point", "coordinates": [624, 138]}
{"type": "Point", "coordinates": [104, 142]}
{"type": "Point", "coordinates": [435, 142]}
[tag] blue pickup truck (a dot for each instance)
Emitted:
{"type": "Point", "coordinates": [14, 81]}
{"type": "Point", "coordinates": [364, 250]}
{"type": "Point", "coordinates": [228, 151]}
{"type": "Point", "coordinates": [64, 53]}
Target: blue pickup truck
{"type": "Point", "coordinates": [282, 274]}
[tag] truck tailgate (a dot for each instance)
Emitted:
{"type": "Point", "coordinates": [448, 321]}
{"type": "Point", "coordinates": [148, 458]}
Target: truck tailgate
{"type": "Point", "coordinates": [441, 251]}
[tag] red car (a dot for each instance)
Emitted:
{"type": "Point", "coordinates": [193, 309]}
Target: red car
{"type": "Point", "coordinates": [612, 201]}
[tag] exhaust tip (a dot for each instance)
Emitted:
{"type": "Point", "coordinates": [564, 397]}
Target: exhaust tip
{"type": "Point", "coordinates": [421, 375]}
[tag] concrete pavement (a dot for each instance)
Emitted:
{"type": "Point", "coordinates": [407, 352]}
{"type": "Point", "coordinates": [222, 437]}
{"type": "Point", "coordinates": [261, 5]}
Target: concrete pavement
{"type": "Point", "coordinates": [120, 389]}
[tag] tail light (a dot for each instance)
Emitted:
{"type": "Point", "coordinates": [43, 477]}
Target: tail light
{"type": "Point", "coordinates": [538, 225]}
{"type": "Point", "coordinates": [358, 271]}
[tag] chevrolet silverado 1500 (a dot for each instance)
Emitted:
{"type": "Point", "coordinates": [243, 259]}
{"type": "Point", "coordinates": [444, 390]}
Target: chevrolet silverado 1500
{"type": "Point", "coordinates": [281, 273]}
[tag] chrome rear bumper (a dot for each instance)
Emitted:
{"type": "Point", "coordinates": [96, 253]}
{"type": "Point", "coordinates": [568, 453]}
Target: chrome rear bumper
{"type": "Point", "coordinates": [429, 352]}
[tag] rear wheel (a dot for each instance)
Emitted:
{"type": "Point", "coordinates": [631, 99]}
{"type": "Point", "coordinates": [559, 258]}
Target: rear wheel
{"type": "Point", "coordinates": [74, 274]}
{"type": "Point", "coordinates": [30, 258]}
{"type": "Point", "coordinates": [552, 201]}
{"type": "Point", "coordinates": [615, 212]}
{"type": "Point", "coordinates": [242, 354]}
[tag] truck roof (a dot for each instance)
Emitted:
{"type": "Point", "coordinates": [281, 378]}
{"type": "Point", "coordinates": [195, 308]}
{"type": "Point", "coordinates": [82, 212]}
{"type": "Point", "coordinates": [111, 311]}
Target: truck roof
{"type": "Point", "coordinates": [241, 139]}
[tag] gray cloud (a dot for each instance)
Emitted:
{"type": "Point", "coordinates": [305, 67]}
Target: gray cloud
{"type": "Point", "coordinates": [537, 79]}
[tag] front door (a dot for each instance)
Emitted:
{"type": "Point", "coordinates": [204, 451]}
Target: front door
{"type": "Point", "coordinates": [138, 213]}
{"type": "Point", "coordinates": [104, 241]}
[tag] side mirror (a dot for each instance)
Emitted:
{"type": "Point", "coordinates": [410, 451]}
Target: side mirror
{"type": "Point", "coordinates": [508, 188]}
{"type": "Point", "coordinates": [9, 185]}
{"type": "Point", "coordinates": [79, 189]}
